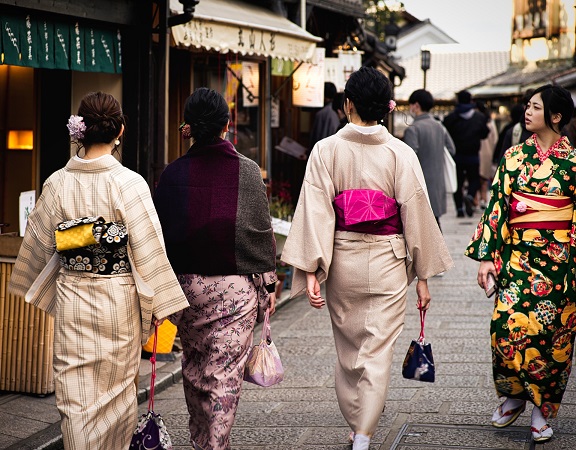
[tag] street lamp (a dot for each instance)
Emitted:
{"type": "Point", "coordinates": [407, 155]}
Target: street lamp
{"type": "Point", "coordinates": [425, 63]}
{"type": "Point", "coordinates": [391, 31]}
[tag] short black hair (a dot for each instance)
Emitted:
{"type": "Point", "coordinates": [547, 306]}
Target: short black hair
{"type": "Point", "coordinates": [329, 90]}
{"type": "Point", "coordinates": [464, 97]}
{"type": "Point", "coordinates": [423, 98]}
{"type": "Point", "coordinates": [370, 91]}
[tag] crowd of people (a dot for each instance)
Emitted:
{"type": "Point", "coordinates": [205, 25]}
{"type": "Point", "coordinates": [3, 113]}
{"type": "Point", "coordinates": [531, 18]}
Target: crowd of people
{"type": "Point", "coordinates": [366, 225]}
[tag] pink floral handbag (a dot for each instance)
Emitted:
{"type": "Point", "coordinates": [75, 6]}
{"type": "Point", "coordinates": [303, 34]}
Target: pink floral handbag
{"type": "Point", "coordinates": [365, 205]}
{"type": "Point", "coordinates": [263, 366]}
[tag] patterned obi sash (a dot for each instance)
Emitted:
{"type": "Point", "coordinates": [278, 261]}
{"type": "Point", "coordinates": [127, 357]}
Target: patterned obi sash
{"type": "Point", "coordinates": [542, 212]}
{"type": "Point", "coordinates": [90, 244]}
{"type": "Point", "coordinates": [367, 211]}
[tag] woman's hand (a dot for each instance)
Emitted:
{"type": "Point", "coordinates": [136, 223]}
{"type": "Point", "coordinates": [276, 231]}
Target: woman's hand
{"type": "Point", "coordinates": [313, 291]}
{"type": "Point", "coordinates": [423, 295]}
{"type": "Point", "coordinates": [272, 302]}
{"type": "Point", "coordinates": [158, 322]}
{"type": "Point", "coordinates": [485, 268]}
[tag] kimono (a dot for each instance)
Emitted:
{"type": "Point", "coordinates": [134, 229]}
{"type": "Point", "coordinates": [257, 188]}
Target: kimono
{"type": "Point", "coordinates": [101, 320]}
{"type": "Point", "coordinates": [366, 274]}
{"type": "Point", "coordinates": [528, 231]}
{"type": "Point", "coordinates": [214, 211]}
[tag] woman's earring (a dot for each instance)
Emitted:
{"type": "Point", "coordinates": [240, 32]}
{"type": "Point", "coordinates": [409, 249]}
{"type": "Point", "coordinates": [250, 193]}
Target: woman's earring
{"type": "Point", "coordinates": [117, 142]}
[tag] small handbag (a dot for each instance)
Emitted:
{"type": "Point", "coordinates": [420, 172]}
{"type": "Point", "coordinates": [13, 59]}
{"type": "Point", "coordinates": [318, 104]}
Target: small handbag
{"type": "Point", "coordinates": [151, 432]}
{"type": "Point", "coordinates": [263, 366]}
{"type": "Point", "coordinates": [419, 363]}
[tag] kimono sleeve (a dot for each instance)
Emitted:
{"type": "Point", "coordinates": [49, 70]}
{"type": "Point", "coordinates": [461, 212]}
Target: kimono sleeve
{"type": "Point", "coordinates": [38, 244]}
{"type": "Point", "coordinates": [310, 242]}
{"type": "Point", "coordinates": [492, 231]}
{"type": "Point", "coordinates": [148, 256]}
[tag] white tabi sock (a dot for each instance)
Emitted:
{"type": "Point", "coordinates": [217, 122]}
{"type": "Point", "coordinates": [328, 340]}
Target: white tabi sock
{"type": "Point", "coordinates": [361, 442]}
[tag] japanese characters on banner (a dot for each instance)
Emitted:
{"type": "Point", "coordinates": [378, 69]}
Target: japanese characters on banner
{"type": "Point", "coordinates": [31, 41]}
{"type": "Point", "coordinates": [338, 70]}
{"type": "Point", "coordinates": [251, 82]}
{"type": "Point", "coordinates": [308, 82]}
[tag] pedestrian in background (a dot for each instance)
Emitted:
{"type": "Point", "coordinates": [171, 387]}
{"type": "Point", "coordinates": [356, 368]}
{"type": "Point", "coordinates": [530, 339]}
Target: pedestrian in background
{"type": "Point", "coordinates": [214, 212]}
{"type": "Point", "coordinates": [105, 295]}
{"type": "Point", "coordinates": [518, 133]}
{"type": "Point", "coordinates": [363, 258]}
{"type": "Point", "coordinates": [326, 121]}
{"type": "Point", "coordinates": [467, 127]}
{"type": "Point", "coordinates": [428, 137]}
{"type": "Point", "coordinates": [487, 146]}
{"type": "Point", "coordinates": [525, 240]}
{"type": "Point", "coordinates": [516, 114]}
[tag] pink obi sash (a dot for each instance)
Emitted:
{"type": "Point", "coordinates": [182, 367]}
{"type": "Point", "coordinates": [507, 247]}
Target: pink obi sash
{"type": "Point", "coordinates": [367, 211]}
{"type": "Point", "coordinates": [543, 212]}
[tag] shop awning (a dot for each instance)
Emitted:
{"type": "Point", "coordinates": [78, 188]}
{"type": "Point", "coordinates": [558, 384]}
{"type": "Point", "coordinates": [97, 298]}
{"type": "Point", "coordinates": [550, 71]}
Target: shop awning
{"type": "Point", "coordinates": [517, 80]}
{"type": "Point", "coordinates": [243, 28]}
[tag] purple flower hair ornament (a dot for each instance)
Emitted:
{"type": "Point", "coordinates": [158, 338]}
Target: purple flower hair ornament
{"type": "Point", "coordinates": [76, 127]}
{"type": "Point", "coordinates": [391, 105]}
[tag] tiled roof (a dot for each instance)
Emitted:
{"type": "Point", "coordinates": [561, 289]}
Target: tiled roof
{"type": "Point", "coordinates": [451, 70]}
{"type": "Point", "coordinates": [516, 80]}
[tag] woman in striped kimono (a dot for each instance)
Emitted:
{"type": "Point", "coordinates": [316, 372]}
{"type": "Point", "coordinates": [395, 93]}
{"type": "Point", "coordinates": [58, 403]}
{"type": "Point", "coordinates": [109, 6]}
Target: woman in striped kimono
{"type": "Point", "coordinates": [526, 240]}
{"type": "Point", "coordinates": [363, 205]}
{"type": "Point", "coordinates": [104, 291]}
{"type": "Point", "coordinates": [214, 212]}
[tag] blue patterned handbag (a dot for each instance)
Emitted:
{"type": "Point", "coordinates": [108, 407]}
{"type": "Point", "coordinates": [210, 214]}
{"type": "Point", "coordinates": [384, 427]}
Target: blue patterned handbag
{"type": "Point", "coordinates": [151, 432]}
{"type": "Point", "coordinates": [419, 362]}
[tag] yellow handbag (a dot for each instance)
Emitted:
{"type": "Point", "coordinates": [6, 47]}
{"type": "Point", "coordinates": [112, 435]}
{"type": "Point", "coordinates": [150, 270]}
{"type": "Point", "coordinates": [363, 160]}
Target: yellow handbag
{"type": "Point", "coordinates": [76, 233]}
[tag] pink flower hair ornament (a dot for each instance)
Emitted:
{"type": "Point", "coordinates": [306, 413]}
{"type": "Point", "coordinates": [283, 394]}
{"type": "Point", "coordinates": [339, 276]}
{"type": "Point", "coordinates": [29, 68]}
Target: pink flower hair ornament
{"type": "Point", "coordinates": [391, 105]}
{"type": "Point", "coordinates": [76, 127]}
{"type": "Point", "coordinates": [185, 130]}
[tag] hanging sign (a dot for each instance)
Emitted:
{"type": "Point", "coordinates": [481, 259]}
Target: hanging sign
{"type": "Point", "coordinates": [61, 46]}
{"type": "Point", "coordinates": [29, 41]}
{"type": "Point", "coordinates": [251, 82]}
{"type": "Point", "coordinates": [12, 39]}
{"type": "Point", "coordinates": [308, 82]}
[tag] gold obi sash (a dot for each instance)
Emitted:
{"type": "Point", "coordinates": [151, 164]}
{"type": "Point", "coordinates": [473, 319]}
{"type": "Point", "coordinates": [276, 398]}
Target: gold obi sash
{"type": "Point", "coordinates": [544, 212]}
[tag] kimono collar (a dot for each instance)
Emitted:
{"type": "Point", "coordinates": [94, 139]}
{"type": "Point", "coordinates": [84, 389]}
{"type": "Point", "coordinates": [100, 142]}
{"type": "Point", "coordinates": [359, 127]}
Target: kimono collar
{"type": "Point", "coordinates": [350, 134]}
{"type": "Point", "coordinates": [101, 164]}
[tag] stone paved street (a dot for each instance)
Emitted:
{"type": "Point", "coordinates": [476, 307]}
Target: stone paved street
{"type": "Point", "coordinates": [452, 413]}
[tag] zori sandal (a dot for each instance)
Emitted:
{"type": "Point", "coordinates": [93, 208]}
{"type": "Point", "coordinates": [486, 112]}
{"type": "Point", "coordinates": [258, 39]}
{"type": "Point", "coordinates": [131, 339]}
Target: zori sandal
{"type": "Point", "coordinates": [503, 419]}
{"type": "Point", "coordinates": [544, 434]}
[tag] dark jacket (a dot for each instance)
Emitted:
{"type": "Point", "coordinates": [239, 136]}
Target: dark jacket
{"type": "Point", "coordinates": [467, 128]}
{"type": "Point", "coordinates": [214, 213]}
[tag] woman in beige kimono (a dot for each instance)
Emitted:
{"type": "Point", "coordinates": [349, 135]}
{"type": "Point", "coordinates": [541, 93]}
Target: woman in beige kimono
{"type": "Point", "coordinates": [362, 210]}
{"type": "Point", "coordinates": [104, 292]}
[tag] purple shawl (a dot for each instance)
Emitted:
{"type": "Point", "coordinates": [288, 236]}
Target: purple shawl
{"type": "Point", "coordinates": [214, 213]}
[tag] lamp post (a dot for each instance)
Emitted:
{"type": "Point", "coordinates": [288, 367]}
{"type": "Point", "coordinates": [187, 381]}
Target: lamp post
{"type": "Point", "coordinates": [425, 63]}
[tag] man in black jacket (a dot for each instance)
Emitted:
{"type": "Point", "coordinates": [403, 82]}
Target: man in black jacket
{"type": "Point", "coordinates": [467, 127]}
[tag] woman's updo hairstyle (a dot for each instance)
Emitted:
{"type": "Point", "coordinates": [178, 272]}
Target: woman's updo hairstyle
{"type": "Point", "coordinates": [207, 113]}
{"type": "Point", "coordinates": [103, 118]}
{"type": "Point", "coordinates": [371, 92]}
{"type": "Point", "coordinates": [556, 100]}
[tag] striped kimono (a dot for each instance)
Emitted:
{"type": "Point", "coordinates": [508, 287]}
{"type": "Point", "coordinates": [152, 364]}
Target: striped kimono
{"type": "Point", "coordinates": [366, 275]}
{"type": "Point", "coordinates": [101, 321]}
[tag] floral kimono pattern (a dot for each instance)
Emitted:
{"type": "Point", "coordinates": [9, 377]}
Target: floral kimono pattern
{"type": "Point", "coordinates": [534, 319]}
{"type": "Point", "coordinates": [216, 334]}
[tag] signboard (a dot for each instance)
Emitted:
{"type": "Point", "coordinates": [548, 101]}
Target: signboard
{"type": "Point", "coordinates": [308, 82]}
{"type": "Point", "coordinates": [27, 202]}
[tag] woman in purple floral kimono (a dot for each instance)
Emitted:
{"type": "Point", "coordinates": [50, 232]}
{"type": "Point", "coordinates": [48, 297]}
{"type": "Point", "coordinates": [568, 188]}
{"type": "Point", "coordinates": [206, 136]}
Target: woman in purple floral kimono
{"type": "Point", "coordinates": [215, 217]}
{"type": "Point", "coordinates": [526, 240]}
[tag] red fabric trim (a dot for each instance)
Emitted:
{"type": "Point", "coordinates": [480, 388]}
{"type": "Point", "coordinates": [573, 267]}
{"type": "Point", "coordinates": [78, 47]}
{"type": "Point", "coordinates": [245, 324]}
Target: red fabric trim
{"type": "Point", "coordinates": [558, 225]}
